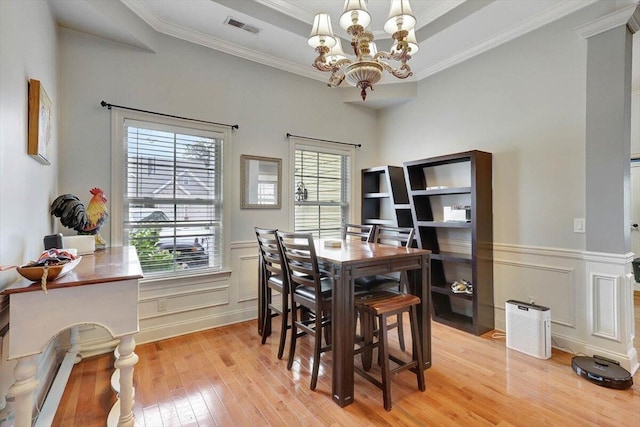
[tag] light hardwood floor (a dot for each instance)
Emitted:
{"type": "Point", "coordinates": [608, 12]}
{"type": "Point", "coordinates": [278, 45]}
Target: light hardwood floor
{"type": "Point", "coordinates": [224, 377]}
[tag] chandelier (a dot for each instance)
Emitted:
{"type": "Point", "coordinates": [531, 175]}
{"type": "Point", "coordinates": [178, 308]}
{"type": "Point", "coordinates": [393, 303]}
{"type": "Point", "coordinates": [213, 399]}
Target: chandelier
{"type": "Point", "coordinates": [369, 64]}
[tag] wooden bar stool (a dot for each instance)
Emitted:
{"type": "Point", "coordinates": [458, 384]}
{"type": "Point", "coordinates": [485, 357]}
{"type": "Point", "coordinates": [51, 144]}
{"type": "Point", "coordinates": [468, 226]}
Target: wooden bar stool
{"type": "Point", "coordinates": [394, 236]}
{"type": "Point", "coordinates": [380, 305]}
{"type": "Point", "coordinates": [272, 278]}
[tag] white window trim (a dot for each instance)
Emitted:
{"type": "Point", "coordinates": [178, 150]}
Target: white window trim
{"type": "Point", "coordinates": [118, 160]}
{"type": "Point", "coordinates": [299, 143]}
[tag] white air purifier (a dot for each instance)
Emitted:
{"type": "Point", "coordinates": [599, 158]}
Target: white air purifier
{"type": "Point", "coordinates": [528, 328]}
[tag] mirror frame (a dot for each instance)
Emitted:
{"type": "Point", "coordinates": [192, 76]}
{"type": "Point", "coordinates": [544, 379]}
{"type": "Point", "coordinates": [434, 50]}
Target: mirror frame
{"type": "Point", "coordinates": [244, 185]}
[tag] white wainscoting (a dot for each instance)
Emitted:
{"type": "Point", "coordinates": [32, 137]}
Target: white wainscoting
{"type": "Point", "coordinates": [173, 307]}
{"type": "Point", "coordinates": [540, 275]}
{"type": "Point", "coordinates": [590, 296]}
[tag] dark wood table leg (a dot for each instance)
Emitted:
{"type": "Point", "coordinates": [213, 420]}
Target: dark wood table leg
{"type": "Point", "coordinates": [420, 286]}
{"type": "Point", "coordinates": [342, 336]}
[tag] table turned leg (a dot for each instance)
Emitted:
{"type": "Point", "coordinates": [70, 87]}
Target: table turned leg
{"type": "Point", "coordinates": [74, 344]}
{"type": "Point", "coordinates": [22, 390]}
{"type": "Point", "coordinates": [124, 363]}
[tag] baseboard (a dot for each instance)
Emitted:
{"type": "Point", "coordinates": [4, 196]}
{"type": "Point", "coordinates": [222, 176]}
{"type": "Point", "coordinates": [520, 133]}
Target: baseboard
{"type": "Point", "coordinates": [175, 329]}
{"type": "Point", "coordinates": [579, 348]}
{"type": "Point", "coordinates": [52, 401]}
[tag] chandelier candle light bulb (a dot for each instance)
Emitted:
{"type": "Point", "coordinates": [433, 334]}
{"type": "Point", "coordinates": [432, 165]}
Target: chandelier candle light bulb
{"type": "Point", "coordinates": [366, 70]}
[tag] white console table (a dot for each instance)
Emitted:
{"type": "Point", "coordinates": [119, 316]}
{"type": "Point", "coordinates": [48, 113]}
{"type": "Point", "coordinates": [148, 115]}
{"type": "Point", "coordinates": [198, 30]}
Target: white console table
{"type": "Point", "coordinates": [101, 290]}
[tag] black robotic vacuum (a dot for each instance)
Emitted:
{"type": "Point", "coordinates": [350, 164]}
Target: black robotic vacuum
{"type": "Point", "coordinates": [602, 371]}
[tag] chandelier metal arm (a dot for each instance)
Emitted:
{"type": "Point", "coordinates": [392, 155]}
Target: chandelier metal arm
{"type": "Point", "coordinates": [321, 63]}
{"type": "Point", "coordinates": [337, 75]}
{"type": "Point", "coordinates": [402, 72]}
{"type": "Point", "coordinates": [403, 56]}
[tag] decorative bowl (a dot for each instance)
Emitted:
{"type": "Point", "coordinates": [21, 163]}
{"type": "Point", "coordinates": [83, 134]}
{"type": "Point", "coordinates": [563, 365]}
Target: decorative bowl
{"type": "Point", "coordinates": [55, 271]}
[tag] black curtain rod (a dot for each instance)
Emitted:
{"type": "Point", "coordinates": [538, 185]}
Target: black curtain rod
{"type": "Point", "coordinates": [324, 140]}
{"type": "Point", "coordinates": [106, 104]}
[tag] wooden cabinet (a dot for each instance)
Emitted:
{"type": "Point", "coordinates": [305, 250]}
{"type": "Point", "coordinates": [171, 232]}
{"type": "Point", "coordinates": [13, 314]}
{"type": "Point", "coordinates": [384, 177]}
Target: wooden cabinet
{"type": "Point", "coordinates": [384, 197]}
{"type": "Point", "coordinates": [462, 247]}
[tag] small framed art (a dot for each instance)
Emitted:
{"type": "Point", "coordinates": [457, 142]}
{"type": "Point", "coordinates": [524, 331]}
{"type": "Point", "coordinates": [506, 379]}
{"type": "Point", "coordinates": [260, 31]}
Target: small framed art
{"type": "Point", "coordinates": [40, 116]}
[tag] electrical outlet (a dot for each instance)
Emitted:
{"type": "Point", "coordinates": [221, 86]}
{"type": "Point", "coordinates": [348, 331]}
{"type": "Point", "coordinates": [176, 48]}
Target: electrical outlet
{"type": "Point", "coordinates": [532, 300]}
{"type": "Point", "coordinates": [162, 304]}
{"type": "Point", "coordinates": [579, 225]}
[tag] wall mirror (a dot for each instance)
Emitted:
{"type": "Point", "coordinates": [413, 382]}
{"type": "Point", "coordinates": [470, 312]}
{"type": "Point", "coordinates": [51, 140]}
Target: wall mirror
{"type": "Point", "coordinates": [260, 182]}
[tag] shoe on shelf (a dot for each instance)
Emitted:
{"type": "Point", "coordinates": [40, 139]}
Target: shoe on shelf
{"type": "Point", "coordinates": [462, 287]}
{"type": "Point", "coordinates": [458, 287]}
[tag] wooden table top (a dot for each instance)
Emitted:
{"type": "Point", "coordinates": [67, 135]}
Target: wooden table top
{"type": "Point", "coordinates": [108, 265]}
{"type": "Point", "coordinates": [356, 251]}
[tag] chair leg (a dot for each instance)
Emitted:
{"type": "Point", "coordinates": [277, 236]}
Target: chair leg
{"type": "Point", "coordinates": [327, 332]}
{"type": "Point", "coordinates": [417, 348]}
{"type": "Point", "coordinates": [383, 350]}
{"type": "Point", "coordinates": [367, 326]}
{"type": "Point", "coordinates": [285, 324]}
{"type": "Point", "coordinates": [404, 280]}
{"type": "Point", "coordinates": [400, 332]}
{"type": "Point", "coordinates": [317, 346]}
{"type": "Point", "coordinates": [294, 334]}
{"type": "Point", "coordinates": [266, 315]}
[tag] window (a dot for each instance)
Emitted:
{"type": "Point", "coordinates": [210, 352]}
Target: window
{"type": "Point", "coordinates": [171, 207]}
{"type": "Point", "coordinates": [322, 188]}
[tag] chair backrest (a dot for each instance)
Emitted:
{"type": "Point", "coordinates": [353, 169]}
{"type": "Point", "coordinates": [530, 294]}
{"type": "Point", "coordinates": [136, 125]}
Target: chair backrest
{"type": "Point", "coordinates": [395, 236]}
{"type": "Point", "coordinates": [270, 251]}
{"type": "Point", "coordinates": [362, 232]}
{"type": "Point", "coordinates": [300, 260]}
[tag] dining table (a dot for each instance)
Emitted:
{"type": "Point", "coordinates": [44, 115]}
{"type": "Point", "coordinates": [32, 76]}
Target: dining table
{"type": "Point", "coordinates": [348, 259]}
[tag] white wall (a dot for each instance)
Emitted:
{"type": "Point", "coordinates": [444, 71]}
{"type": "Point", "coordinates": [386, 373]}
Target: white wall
{"type": "Point", "coordinates": [524, 102]}
{"type": "Point", "coordinates": [184, 79]}
{"type": "Point", "coordinates": [28, 46]}
{"type": "Point", "coordinates": [189, 80]}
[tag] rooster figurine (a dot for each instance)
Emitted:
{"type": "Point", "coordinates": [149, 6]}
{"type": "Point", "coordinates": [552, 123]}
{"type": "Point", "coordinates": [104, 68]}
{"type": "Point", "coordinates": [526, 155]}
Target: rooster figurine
{"type": "Point", "coordinates": [85, 220]}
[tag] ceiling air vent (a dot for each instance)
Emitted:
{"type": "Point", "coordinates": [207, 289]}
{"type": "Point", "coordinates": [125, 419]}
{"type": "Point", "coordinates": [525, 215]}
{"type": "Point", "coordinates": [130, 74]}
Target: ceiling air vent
{"type": "Point", "coordinates": [242, 25]}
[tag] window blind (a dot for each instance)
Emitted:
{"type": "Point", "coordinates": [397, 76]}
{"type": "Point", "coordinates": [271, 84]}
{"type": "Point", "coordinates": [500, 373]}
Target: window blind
{"type": "Point", "coordinates": [172, 207]}
{"type": "Point", "coordinates": [325, 176]}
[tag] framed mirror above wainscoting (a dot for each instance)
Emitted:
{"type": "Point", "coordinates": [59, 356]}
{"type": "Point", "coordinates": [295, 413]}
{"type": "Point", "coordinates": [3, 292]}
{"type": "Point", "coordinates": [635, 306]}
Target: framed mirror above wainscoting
{"type": "Point", "coordinates": [260, 182]}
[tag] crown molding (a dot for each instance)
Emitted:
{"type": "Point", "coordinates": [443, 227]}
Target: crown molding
{"type": "Point", "coordinates": [626, 15]}
{"type": "Point", "coordinates": [296, 12]}
{"type": "Point", "coordinates": [239, 51]}
{"type": "Point", "coordinates": [556, 12]}
{"type": "Point", "coordinates": [437, 11]}
{"type": "Point", "coordinates": [552, 14]}
{"type": "Point", "coordinates": [634, 21]}
{"type": "Point", "coordinates": [224, 46]}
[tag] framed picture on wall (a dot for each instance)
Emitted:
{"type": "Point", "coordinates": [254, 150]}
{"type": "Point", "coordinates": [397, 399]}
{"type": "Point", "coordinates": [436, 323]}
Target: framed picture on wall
{"type": "Point", "coordinates": [40, 133]}
{"type": "Point", "coordinates": [260, 182]}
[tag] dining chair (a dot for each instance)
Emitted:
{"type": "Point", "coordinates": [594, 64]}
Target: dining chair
{"type": "Point", "coordinates": [362, 232]}
{"type": "Point", "coordinates": [308, 289]}
{"type": "Point", "coordinates": [394, 236]}
{"type": "Point", "coordinates": [273, 278]}
{"type": "Point", "coordinates": [380, 305]}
